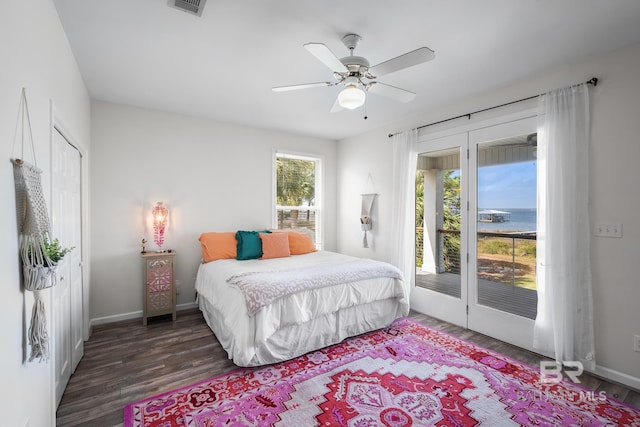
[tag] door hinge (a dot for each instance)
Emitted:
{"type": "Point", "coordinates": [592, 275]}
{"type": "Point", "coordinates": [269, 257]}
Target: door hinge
{"type": "Point", "coordinates": [467, 206]}
{"type": "Point", "coordinates": [467, 257]}
{"type": "Point", "coordinates": [467, 310]}
{"type": "Point", "coordinates": [467, 154]}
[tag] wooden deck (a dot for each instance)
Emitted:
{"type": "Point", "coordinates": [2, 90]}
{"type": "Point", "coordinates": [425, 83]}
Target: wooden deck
{"type": "Point", "coordinates": [511, 299]}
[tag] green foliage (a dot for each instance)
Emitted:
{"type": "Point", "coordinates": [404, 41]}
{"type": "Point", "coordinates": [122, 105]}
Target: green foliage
{"type": "Point", "coordinates": [501, 246]}
{"type": "Point", "coordinates": [419, 217]}
{"type": "Point", "coordinates": [452, 218]}
{"type": "Point", "coordinates": [451, 252]}
{"type": "Point", "coordinates": [55, 251]}
{"type": "Point", "coordinates": [526, 249]}
{"type": "Point", "coordinates": [295, 182]}
{"type": "Point", "coordinates": [52, 251]}
{"type": "Point", "coordinates": [494, 246]}
{"type": "Point", "coordinates": [419, 198]}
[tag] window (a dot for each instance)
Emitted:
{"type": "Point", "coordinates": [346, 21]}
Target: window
{"type": "Point", "coordinates": [298, 193]}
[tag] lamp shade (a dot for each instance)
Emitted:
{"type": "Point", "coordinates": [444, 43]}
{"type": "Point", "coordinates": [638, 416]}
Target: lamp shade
{"type": "Point", "coordinates": [351, 97]}
{"type": "Point", "coordinates": [160, 214]}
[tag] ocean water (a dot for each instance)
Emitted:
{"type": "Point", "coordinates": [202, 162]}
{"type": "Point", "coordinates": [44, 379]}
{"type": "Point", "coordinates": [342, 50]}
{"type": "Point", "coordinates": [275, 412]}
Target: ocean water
{"type": "Point", "coordinates": [521, 220]}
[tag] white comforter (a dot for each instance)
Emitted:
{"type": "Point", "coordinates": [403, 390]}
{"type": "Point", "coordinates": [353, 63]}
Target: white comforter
{"type": "Point", "coordinates": [262, 338]}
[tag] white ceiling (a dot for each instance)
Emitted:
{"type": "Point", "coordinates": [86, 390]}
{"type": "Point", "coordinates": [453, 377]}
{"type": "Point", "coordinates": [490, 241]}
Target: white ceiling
{"type": "Point", "coordinates": [222, 65]}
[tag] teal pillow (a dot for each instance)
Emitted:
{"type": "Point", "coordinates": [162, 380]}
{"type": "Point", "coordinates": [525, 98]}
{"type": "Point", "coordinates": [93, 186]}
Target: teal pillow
{"type": "Point", "coordinates": [249, 244]}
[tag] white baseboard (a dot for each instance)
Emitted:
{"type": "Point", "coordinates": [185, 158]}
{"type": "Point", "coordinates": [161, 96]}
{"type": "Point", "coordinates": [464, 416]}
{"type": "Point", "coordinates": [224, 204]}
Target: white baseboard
{"type": "Point", "coordinates": [618, 377]}
{"type": "Point", "coordinates": [133, 315]}
{"type": "Point", "coordinates": [115, 318]}
{"type": "Point", "coordinates": [187, 306]}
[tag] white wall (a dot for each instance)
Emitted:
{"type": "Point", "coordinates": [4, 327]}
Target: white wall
{"type": "Point", "coordinates": [36, 55]}
{"type": "Point", "coordinates": [614, 172]}
{"type": "Point", "coordinates": [212, 176]}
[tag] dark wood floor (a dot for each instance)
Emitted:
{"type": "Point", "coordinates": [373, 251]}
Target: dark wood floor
{"type": "Point", "coordinates": [125, 362]}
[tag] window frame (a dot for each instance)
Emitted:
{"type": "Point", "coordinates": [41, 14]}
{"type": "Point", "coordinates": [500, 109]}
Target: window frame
{"type": "Point", "coordinates": [318, 159]}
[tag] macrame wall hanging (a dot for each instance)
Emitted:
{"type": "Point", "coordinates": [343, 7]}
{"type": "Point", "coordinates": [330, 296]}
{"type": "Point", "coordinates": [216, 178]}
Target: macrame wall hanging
{"type": "Point", "coordinates": [365, 214]}
{"type": "Point", "coordinates": [38, 271]}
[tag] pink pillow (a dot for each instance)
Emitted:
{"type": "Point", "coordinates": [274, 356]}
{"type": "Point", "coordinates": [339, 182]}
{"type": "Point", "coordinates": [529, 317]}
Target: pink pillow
{"type": "Point", "coordinates": [275, 245]}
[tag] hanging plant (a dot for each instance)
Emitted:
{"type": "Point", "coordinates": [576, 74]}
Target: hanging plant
{"type": "Point", "coordinates": [52, 252]}
{"type": "Point", "coordinates": [55, 252]}
{"type": "Point", "coordinates": [40, 262]}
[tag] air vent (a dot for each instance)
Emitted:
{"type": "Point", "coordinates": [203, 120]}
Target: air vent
{"type": "Point", "coordinates": [192, 6]}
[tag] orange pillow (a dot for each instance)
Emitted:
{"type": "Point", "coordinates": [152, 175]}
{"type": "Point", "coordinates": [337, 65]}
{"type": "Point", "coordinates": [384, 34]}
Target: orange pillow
{"type": "Point", "coordinates": [300, 243]}
{"type": "Point", "coordinates": [218, 246]}
{"type": "Point", "coordinates": [274, 245]}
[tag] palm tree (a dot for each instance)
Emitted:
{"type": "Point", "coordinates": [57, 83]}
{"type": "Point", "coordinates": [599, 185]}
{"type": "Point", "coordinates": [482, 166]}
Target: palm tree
{"type": "Point", "coordinates": [451, 219]}
{"type": "Point", "coordinates": [419, 217]}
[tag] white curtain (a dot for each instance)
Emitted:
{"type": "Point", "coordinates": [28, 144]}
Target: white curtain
{"type": "Point", "coordinates": [403, 204]}
{"type": "Point", "coordinates": [564, 324]}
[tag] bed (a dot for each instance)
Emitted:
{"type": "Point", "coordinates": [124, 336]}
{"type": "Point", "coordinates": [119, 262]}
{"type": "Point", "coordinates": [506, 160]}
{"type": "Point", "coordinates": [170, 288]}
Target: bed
{"type": "Point", "coordinates": [257, 323]}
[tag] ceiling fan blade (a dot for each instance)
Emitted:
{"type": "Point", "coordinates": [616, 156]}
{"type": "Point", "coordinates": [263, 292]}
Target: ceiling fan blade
{"type": "Point", "coordinates": [407, 60]}
{"type": "Point", "coordinates": [302, 86]}
{"type": "Point", "coordinates": [327, 57]}
{"type": "Point", "coordinates": [336, 107]}
{"type": "Point", "coordinates": [391, 92]}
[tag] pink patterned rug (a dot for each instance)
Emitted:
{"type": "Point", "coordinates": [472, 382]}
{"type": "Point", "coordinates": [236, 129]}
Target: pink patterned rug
{"type": "Point", "coordinates": [406, 374]}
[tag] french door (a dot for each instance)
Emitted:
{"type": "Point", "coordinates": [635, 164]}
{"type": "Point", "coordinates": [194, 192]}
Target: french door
{"type": "Point", "coordinates": [476, 230]}
{"type": "Point", "coordinates": [441, 243]}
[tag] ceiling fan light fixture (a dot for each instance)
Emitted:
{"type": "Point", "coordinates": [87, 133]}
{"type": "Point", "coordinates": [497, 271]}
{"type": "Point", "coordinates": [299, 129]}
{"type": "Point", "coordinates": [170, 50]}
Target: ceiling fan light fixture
{"type": "Point", "coordinates": [355, 75]}
{"type": "Point", "coordinates": [351, 97]}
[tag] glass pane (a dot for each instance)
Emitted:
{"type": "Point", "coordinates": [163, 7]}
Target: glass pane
{"type": "Point", "coordinates": [296, 193]}
{"type": "Point", "coordinates": [506, 236]}
{"type": "Point", "coordinates": [438, 222]}
{"type": "Point", "coordinates": [295, 182]}
{"type": "Point", "coordinates": [294, 218]}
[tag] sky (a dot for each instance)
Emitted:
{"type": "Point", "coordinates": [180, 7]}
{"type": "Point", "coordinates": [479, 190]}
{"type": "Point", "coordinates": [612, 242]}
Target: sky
{"type": "Point", "coordinates": [507, 186]}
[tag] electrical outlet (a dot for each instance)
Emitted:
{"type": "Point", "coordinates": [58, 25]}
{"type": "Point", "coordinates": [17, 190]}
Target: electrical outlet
{"type": "Point", "coordinates": [178, 286]}
{"type": "Point", "coordinates": [636, 343]}
{"type": "Point", "coordinates": [607, 230]}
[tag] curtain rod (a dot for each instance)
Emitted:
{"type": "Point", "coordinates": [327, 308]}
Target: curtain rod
{"type": "Point", "coordinates": [591, 81]}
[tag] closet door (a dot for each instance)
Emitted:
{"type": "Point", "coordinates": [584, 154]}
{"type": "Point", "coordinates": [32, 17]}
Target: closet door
{"type": "Point", "coordinates": [73, 224]}
{"type": "Point", "coordinates": [67, 227]}
{"type": "Point", "coordinates": [61, 329]}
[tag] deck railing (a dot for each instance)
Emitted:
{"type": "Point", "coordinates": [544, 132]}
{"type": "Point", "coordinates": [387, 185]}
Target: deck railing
{"type": "Point", "coordinates": [505, 245]}
{"type": "Point", "coordinates": [520, 254]}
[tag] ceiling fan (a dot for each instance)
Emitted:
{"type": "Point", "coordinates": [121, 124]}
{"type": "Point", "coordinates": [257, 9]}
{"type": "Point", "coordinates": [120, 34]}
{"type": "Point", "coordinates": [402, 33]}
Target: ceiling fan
{"type": "Point", "coordinates": [357, 77]}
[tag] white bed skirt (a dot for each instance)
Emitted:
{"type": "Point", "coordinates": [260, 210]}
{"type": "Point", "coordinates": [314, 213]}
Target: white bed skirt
{"type": "Point", "coordinates": [297, 339]}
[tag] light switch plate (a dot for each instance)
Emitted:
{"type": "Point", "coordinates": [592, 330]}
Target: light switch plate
{"type": "Point", "coordinates": [607, 230]}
